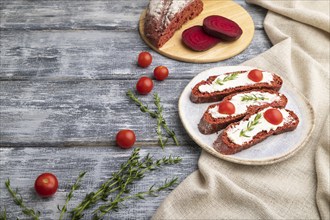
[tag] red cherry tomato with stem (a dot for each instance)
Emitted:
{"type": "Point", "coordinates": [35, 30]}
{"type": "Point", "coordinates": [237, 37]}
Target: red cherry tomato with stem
{"type": "Point", "coordinates": [46, 184]}
{"type": "Point", "coordinates": [125, 138]}
{"type": "Point", "coordinates": [273, 116]}
{"type": "Point", "coordinates": [255, 75]}
{"type": "Point", "coordinates": [144, 85]}
{"type": "Point", "coordinates": [144, 59]}
{"type": "Point", "coordinates": [226, 107]}
{"type": "Point", "coordinates": [161, 73]}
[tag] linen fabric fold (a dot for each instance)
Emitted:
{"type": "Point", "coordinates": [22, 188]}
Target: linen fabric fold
{"type": "Point", "coordinates": [297, 188]}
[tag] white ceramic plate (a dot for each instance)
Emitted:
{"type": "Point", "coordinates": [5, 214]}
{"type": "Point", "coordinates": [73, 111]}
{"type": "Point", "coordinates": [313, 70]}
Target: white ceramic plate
{"type": "Point", "coordinates": [274, 149]}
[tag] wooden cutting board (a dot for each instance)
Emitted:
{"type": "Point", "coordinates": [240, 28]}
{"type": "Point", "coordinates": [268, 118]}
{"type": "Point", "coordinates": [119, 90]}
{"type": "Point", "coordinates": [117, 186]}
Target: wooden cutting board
{"type": "Point", "coordinates": [175, 49]}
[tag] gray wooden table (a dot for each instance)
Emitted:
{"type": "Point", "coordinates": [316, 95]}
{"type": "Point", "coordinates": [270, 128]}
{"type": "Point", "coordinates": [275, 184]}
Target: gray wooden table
{"type": "Point", "coordinates": [65, 68]}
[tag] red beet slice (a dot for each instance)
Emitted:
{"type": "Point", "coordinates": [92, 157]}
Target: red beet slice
{"type": "Point", "coordinates": [196, 39]}
{"type": "Point", "coordinates": [221, 27]}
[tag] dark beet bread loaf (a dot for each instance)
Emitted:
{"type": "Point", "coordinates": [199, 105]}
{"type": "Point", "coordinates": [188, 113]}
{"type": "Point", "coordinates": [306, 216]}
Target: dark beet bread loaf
{"type": "Point", "coordinates": [252, 130]}
{"type": "Point", "coordinates": [164, 17]}
{"type": "Point", "coordinates": [245, 103]}
{"type": "Point", "coordinates": [216, 87]}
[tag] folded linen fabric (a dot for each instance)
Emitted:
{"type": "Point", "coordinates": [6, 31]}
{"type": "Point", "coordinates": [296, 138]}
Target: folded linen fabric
{"type": "Point", "coordinates": [297, 188]}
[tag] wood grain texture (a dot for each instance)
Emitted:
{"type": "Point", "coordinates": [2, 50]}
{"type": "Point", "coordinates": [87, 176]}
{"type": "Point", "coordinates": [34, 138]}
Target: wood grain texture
{"type": "Point", "coordinates": [84, 54]}
{"type": "Point", "coordinates": [175, 49]}
{"type": "Point", "coordinates": [23, 165]}
{"type": "Point", "coordinates": [85, 15]}
{"type": "Point", "coordinates": [81, 113]}
{"type": "Point", "coordinates": [64, 69]}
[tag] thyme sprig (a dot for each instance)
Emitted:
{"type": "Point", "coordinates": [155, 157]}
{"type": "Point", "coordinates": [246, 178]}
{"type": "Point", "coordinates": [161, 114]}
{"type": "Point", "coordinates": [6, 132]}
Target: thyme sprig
{"type": "Point", "coordinates": [227, 78]}
{"type": "Point", "coordinates": [129, 173]}
{"type": "Point", "coordinates": [106, 188]}
{"type": "Point", "coordinates": [113, 204]}
{"type": "Point", "coordinates": [250, 126]}
{"type": "Point", "coordinates": [74, 187]}
{"type": "Point", "coordinates": [159, 121]}
{"type": "Point", "coordinates": [19, 201]}
{"type": "Point", "coordinates": [143, 108]}
{"type": "Point", "coordinates": [155, 114]}
{"type": "Point", "coordinates": [253, 98]}
{"type": "Point", "coordinates": [3, 214]}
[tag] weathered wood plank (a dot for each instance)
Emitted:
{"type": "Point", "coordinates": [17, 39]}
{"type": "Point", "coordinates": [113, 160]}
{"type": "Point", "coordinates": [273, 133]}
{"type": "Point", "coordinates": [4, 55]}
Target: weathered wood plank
{"type": "Point", "coordinates": [60, 48]}
{"type": "Point", "coordinates": [72, 55]}
{"type": "Point", "coordinates": [23, 165]}
{"type": "Point", "coordinates": [64, 15]}
{"type": "Point", "coordinates": [81, 113]}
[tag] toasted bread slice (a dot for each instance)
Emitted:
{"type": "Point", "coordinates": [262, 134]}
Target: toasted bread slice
{"type": "Point", "coordinates": [252, 130]}
{"type": "Point", "coordinates": [245, 103]}
{"type": "Point", "coordinates": [216, 87]}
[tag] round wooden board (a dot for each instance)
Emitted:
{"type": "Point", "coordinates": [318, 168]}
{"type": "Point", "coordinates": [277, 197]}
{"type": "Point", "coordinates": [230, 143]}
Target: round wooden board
{"type": "Point", "coordinates": [176, 50]}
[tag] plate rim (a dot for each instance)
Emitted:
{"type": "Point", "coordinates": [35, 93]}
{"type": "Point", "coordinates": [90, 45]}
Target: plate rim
{"type": "Point", "coordinates": [266, 161]}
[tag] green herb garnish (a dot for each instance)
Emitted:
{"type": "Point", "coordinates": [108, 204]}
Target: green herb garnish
{"type": "Point", "coordinates": [250, 126]}
{"type": "Point", "coordinates": [159, 121]}
{"type": "Point", "coordinates": [3, 214]}
{"type": "Point", "coordinates": [113, 204]}
{"type": "Point", "coordinates": [143, 108]}
{"type": "Point", "coordinates": [130, 171]}
{"type": "Point", "coordinates": [155, 114]}
{"type": "Point", "coordinates": [227, 78]}
{"type": "Point", "coordinates": [253, 98]}
{"type": "Point", "coordinates": [74, 187]}
{"type": "Point", "coordinates": [19, 201]}
{"type": "Point", "coordinates": [107, 187]}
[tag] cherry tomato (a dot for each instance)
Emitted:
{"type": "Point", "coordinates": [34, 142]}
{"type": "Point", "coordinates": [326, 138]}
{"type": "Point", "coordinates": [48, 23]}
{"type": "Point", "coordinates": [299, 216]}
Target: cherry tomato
{"type": "Point", "coordinates": [226, 107]}
{"type": "Point", "coordinates": [144, 85]}
{"type": "Point", "coordinates": [125, 138]}
{"type": "Point", "coordinates": [144, 59]}
{"type": "Point", "coordinates": [161, 73]}
{"type": "Point", "coordinates": [46, 184]}
{"type": "Point", "coordinates": [255, 75]}
{"type": "Point", "coordinates": [273, 116]}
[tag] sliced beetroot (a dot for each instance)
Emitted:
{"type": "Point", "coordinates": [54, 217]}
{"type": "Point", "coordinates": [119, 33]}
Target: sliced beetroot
{"type": "Point", "coordinates": [221, 27]}
{"type": "Point", "coordinates": [196, 39]}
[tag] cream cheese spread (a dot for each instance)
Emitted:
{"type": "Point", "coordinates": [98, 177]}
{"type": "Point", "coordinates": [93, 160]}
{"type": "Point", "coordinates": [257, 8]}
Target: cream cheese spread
{"type": "Point", "coordinates": [241, 105]}
{"type": "Point", "coordinates": [234, 133]}
{"type": "Point", "coordinates": [240, 80]}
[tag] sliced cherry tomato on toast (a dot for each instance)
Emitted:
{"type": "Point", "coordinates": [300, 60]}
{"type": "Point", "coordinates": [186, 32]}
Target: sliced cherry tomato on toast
{"type": "Point", "coordinates": [273, 116]}
{"type": "Point", "coordinates": [226, 107]}
{"type": "Point", "coordinates": [255, 75]}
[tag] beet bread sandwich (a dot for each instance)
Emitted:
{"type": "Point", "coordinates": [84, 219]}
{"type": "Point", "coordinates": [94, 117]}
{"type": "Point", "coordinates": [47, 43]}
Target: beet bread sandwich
{"type": "Point", "coordinates": [236, 106]}
{"type": "Point", "coordinates": [254, 128]}
{"type": "Point", "coordinates": [216, 87]}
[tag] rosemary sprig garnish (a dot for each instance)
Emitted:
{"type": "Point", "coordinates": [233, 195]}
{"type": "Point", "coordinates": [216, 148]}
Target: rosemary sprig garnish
{"type": "Point", "coordinates": [19, 201]}
{"type": "Point", "coordinates": [155, 114]}
{"type": "Point", "coordinates": [74, 187]}
{"type": "Point", "coordinates": [250, 126]}
{"type": "Point", "coordinates": [113, 204]}
{"type": "Point", "coordinates": [227, 78]}
{"type": "Point", "coordinates": [253, 98]}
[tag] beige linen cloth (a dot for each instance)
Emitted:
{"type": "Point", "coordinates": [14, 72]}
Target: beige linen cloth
{"type": "Point", "coordinates": [297, 188]}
